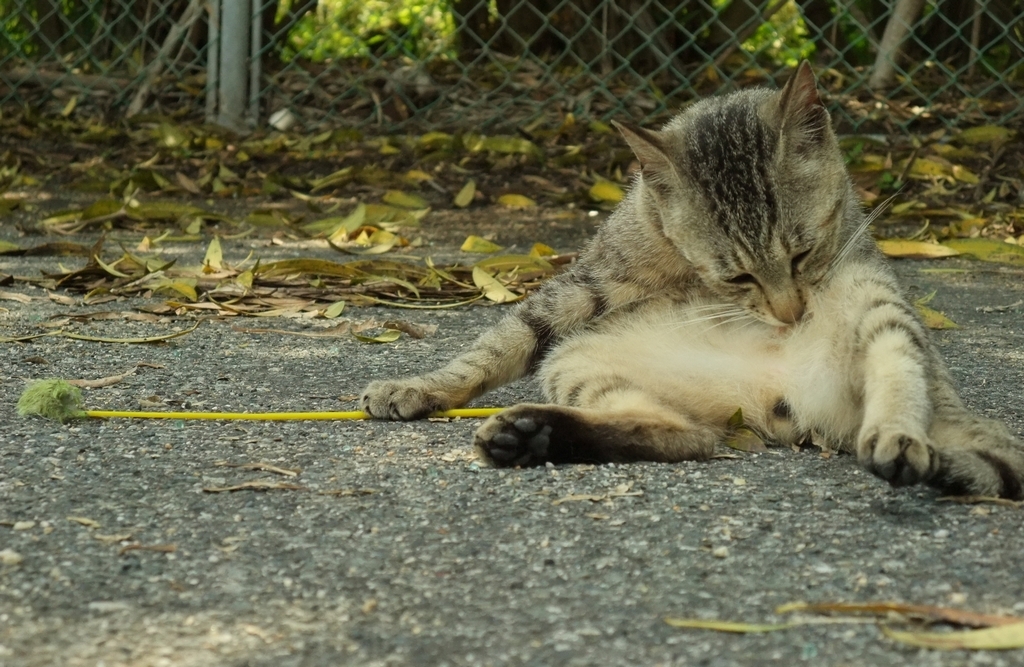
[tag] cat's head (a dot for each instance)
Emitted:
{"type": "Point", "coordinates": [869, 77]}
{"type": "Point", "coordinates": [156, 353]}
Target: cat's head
{"type": "Point", "coordinates": [752, 190]}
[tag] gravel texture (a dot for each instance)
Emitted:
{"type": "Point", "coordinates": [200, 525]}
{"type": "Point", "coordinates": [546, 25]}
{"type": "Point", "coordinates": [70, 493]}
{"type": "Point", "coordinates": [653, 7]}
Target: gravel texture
{"type": "Point", "coordinates": [399, 549]}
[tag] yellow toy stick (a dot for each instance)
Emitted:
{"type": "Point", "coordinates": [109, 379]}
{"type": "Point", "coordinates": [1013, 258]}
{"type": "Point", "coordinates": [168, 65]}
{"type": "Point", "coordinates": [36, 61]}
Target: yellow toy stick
{"type": "Point", "coordinates": [60, 400]}
{"type": "Point", "coordinates": [274, 416]}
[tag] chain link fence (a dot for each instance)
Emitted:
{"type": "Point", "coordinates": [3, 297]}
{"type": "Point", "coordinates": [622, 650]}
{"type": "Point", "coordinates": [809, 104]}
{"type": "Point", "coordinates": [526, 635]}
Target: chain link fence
{"type": "Point", "coordinates": [496, 65]}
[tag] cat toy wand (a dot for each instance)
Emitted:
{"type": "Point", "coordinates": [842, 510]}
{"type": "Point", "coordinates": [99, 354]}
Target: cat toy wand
{"type": "Point", "coordinates": [62, 401]}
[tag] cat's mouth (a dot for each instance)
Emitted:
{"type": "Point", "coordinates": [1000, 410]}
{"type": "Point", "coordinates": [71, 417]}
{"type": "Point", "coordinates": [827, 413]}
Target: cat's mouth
{"type": "Point", "coordinates": [782, 328]}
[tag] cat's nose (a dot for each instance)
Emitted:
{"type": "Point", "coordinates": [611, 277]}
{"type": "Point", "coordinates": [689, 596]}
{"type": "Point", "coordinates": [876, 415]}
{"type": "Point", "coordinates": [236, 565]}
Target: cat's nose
{"type": "Point", "coordinates": [789, 310]}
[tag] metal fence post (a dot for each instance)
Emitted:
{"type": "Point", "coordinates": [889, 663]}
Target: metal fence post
{"type": "Point", "coordinates": [213, 60]}
{"type": "Point", "coordinates": [255, 73]}
{"type": "Point", "coordinates": [236, 18]}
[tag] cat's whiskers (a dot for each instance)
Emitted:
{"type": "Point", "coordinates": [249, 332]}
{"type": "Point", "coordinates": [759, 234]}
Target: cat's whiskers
{"type": "Point", "coordinates": [737, 318]}
{"type": "Point", "coordinates": [729, 312]}
{"type": "Point", "coordinates": [851, 242]}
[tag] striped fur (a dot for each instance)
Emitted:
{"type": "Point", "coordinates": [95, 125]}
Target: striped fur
{"type": "Point", "coordinates": [737, 273]}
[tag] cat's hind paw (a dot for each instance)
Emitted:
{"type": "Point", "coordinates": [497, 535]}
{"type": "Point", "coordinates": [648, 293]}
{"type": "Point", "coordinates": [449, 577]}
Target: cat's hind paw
{"type": "Point", "coordinates": [400, 400]}
{"type": "Point", "coordinates": [896, 457]}
{"type": "Point", "coordinates": [516, 437]}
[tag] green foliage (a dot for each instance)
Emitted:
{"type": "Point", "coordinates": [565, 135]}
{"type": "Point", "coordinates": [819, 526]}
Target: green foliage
{"type": "Point", "coordinates": [380, 28]}
{"type": "Point", "coordinates": [782, 40]}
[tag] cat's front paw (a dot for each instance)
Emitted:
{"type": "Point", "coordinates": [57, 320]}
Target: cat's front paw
{"type": "Point", "coordinates": [400, 399]}
{"type": "Point", "coordinates": [895, 456]}
{"type": "Point", "coordinates": [518, 436]}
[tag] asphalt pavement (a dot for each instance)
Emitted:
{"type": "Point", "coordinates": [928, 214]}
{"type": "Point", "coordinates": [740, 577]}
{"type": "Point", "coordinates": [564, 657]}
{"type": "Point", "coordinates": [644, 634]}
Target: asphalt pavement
{"type": "Point", "coordinates": [391, 545]}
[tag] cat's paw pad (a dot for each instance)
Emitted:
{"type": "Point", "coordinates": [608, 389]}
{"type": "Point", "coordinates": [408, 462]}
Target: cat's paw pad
{"type": "Point", "coordinates": [512, 438]}
{"type": "Point", "coordinates": [398, 399]}
{"type": "Point", "coordinates": [896, 457]}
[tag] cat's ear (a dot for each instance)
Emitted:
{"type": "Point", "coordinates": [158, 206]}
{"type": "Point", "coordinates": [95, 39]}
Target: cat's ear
{"type": "Point", "coordinates": [648, 148]}
{"type": "Point", "coordinates": [800, 107]}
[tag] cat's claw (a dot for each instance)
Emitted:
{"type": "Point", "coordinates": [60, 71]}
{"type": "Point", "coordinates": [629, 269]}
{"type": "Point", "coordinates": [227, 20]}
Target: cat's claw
{"type": "Point", "coordinates": [399, 400]}
{"type": "Point", "coordinates": [506, 440]}
{"type": "Point", "coordinates": [896, 457]}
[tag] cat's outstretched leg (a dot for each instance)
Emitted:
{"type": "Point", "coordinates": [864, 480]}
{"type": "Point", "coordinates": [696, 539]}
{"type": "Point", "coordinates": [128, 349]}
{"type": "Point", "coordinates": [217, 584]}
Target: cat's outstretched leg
{"type": "Point", "coordinates": [915, 428]}
{"type": "Point", "coordinates": [896, 361]}
{"type": "Point", "coordinates": [501, 355]}
{"type": "Point", "coordinates": [507, 352]}
{"type": "Point", "coordinates": [631, 428]}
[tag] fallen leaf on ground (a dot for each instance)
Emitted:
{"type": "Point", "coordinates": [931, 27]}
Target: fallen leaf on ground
{"type": "Point", "coordinates": [417, 331]}
{"type": "Point", "coordinates": [516, 201]}
{"type": "Point", "coordinates": [103, 382]}
{"type": "Point", "coordinates": [727, 626]}
{"type": "Point", "coordinates": [386, 336]}
{"type": "Point", "coordinates": [492, 289]}
{"type": "Point", "coordinates": [984, 134]}
{"type": "Point", "coordinates": [404, 200]}
{"type": "Point", "coordinates": [917, 611]}
{"type": "Point", "coordinates": [255, 485]}
{"type": "Point", "coordinates": [742, 437]}
{"type": "Point", "coordinates": [933, 319]}
{"type": "Point", "coordinates": [974, 500]}
{"type": "Point", "coordinates": [161, 548]}
{"type": "Point", "coordinates": [88, 523]}
{"type": "Point", "coordinates": [620, 491]}
{"type": "Point", "coordinates": [914, 249]}
{"type": "Point", "coordinates": [14, 296]}
{"type": "Point", "coordinates": [348, 492]}
{"type": "Point", "coordinates": [988, 250]}
{"type": "Point", "coordinates": [268, 467]}
{"type": "Point", "coordinates": [214, 259]}
{"type": "Point", "coordinates": [998, 638]}
{"type": "Point", "coordinates": [477, 244]}
{"type": "Point", "coordinates": [465, 196]}
{"type": "Point", "coordinates": [606, 191]}
{"type": "Point", "coordinates": [337, 331]}
{"type": "Point", "coordinates": [98, 339]}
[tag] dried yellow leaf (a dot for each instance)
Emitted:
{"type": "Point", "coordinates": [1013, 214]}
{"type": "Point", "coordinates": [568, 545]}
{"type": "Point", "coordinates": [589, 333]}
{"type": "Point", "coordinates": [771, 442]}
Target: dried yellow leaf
{"type": "Point", "coordinates": [214, 259]}
{"type": "Point", "coordinates": [985, 134]}
{"type": "Point", "coordinates": [606, 191]}
{"type": "Point", "coordinates": [516, 201]}
{"type": "Point", "coordinates": [465, 196]}
{"type": "Point", "coordinates": [927, 168]}
{"type": "Point", "coordinates": [477, 244]}
{"type": "Point", "coordinates": [417, 175]}
{"type": "Point", "coordinates": [70, 106]}
{"type": "Point", "coordinates": [727, 626]}
{"type": "Point", "coordinates": [334, 309]}
{"type": "Point", "coordinates": [492, 289]}
{"type": "Point", "coordinates": [998, 638]}
{"type": "Point", "coordinates": [989, 250]}
{"type": "Point", "coordinates": [388, 336]}
{"type": "Point", "coordinates": [541, 250]}
{"type": "Point", "coordinates": [933, 319]}
{"type": "Point", "coordinates": [255, 485]}
{"type": "Point", "coordinates": [404, 200]}
{"type": "Point", "coordinates": [914, 249]}
{"type": "Point", "coordinates": [964, 175]}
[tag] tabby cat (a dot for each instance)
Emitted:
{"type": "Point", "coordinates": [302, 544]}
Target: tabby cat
{"type": "Point", "coordinates": [737, 273]}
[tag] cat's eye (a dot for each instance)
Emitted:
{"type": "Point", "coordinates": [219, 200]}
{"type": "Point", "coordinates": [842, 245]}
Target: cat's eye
{"type": "Point", "coordinates": [744, 279]}
{"type": "Point", "coordinates": [798, 259]}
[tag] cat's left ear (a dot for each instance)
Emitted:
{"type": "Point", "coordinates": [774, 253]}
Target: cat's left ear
{"type": "Point", "coordinates": [648, 148]}
{"type": "Point", "coordinates": [801, 108]}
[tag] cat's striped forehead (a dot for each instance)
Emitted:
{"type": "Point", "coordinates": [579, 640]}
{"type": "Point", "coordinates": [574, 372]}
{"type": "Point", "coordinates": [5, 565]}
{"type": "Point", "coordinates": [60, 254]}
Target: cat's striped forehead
{"type": "Point", "coordinates": [730, 154]}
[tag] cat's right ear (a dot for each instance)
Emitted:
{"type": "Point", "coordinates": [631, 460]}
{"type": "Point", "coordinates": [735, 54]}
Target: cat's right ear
{"type": "Point", "coordinates": [648, 148]}
{"type": "Point", "coordinates": [801, 108]}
